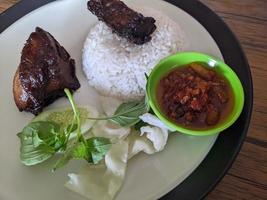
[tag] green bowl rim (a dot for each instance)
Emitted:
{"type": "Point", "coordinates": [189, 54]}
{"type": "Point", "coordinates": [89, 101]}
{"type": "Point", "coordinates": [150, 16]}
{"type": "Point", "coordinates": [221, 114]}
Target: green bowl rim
{"type": "Point", "coordinates": [213, 130]}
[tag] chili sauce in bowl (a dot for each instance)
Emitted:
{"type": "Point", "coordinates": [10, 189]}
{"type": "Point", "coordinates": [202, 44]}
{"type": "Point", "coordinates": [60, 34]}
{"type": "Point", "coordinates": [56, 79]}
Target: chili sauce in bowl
{"type": "Point", "coordinates": [195, 94]}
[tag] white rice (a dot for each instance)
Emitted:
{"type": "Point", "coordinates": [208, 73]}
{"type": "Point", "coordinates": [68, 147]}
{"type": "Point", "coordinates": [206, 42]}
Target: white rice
{"type": "Point", "coordinates": [116, 67]}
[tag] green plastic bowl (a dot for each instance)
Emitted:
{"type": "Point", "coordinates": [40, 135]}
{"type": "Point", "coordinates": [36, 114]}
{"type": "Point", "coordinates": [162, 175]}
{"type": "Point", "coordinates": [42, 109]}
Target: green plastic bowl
{"type": "Point", "coordinates": [181, 59]}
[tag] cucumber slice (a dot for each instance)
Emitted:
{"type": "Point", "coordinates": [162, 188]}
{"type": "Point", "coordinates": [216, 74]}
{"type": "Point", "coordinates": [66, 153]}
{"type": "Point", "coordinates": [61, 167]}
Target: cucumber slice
{"type": "Point", "coordinates": [64, 117]}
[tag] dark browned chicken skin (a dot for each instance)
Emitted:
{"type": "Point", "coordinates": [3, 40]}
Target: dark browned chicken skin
{"type": "Point", "coordinates": [122, 20]}
{"type": "Point", "coordinates": [44, 71]}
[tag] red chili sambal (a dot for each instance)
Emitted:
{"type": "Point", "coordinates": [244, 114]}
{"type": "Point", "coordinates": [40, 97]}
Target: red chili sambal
{"type": "Point", "coordinates": [195, 96]}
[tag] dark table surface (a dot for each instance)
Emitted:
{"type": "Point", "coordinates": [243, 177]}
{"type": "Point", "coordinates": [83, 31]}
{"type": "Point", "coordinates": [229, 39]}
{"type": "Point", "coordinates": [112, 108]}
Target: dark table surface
{"type": "Point", "coordinates": [247, 179]}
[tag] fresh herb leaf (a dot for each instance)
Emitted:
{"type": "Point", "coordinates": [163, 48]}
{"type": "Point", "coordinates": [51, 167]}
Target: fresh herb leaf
{"type": "Point", "coordinates": [97, 148]}
{"type": "Point", "coordinates": [39, 142]}
{"type": "Point", "coordinates": [127, 114]}
{"type": "Point", "coordinates": [93, 151]}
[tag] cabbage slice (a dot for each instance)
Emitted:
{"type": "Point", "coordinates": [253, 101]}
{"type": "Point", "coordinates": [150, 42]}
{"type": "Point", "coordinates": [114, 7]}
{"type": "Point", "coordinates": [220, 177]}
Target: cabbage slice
{"type": "Point", "coordinates": [156, 135]}
{"type": "Point", "coordinates": [102, 182]}
{"type": "Point", "coordinates": [110, 130]}
{"type": "Point", "coordinates": [152, 139]}
{"type": "Point", "coordinates": [138, 143]}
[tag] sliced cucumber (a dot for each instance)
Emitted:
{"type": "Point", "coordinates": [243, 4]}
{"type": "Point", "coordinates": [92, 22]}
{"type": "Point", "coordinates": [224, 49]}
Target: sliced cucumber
{"type": "Point", "coordinates": [64, 117]}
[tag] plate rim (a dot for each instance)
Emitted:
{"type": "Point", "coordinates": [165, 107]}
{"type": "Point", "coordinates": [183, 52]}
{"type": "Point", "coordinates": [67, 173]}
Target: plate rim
{"type": "Point", "coordinates": [200, 182]}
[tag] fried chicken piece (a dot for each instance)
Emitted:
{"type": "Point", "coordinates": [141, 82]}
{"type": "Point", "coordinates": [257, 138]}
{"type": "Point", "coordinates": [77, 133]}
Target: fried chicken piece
{"type": "Point", "coordinates": [44, 71]}
{"type": "Point", "coordinates": [124, 21]}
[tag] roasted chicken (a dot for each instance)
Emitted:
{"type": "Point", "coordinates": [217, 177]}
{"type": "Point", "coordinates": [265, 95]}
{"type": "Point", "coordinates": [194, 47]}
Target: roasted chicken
{"type": "Point", "coordinates": [122, 20]}
{"type": "Point", "coordinates": [44, 71]}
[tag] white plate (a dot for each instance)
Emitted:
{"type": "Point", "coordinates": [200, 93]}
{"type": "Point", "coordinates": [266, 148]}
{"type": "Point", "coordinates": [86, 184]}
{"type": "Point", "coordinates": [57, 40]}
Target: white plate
{"type": "Point", "coordinates": [148, 177]}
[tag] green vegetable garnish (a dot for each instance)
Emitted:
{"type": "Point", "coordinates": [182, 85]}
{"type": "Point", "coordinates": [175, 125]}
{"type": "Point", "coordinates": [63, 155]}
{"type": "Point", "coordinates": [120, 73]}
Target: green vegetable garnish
{"type": "Point", "coordinates": [40, 140]}
{"type": "Point", "coordinates": [92, 151]}
{"type": "Point", "coordinates": [127, 114]}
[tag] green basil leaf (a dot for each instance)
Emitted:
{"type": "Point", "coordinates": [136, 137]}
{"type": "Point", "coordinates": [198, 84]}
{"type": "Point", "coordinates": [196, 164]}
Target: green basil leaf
{"type": "Point", "coordinates": [93, 151]}
{"type": "Point", "coordinates": [38, 141]}
{"type": "Point", "coordinates": [98, 144]}
{"type": "Point", "coordinates": [128, 114]}
{"type": "Point", "coordinates": [96, 157]}
{"type": "Point", "coordinates": [97, 148]}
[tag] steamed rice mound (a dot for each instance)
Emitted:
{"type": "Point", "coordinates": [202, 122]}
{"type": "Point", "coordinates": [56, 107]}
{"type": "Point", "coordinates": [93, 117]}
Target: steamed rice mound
{"type": "Point", "coordinates": [116, 67]}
